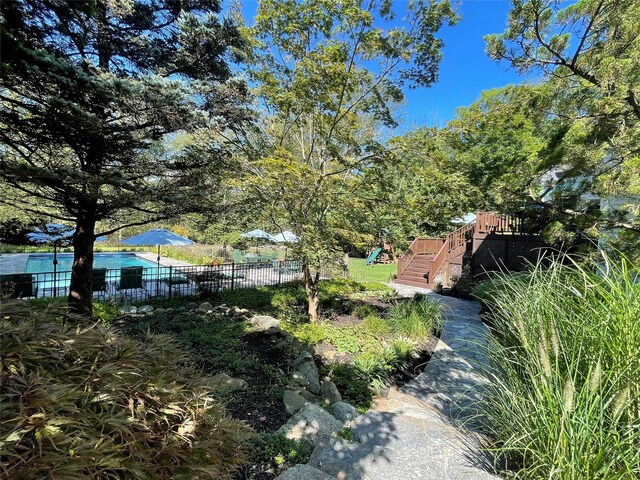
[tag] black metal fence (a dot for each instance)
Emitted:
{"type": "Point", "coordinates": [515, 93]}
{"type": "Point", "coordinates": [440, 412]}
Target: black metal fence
{"type": "Point", "coordinates": [137, 284]}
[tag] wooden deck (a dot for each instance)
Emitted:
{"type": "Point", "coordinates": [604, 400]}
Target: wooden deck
{"type": "Point", "coordinates": [430, 260]}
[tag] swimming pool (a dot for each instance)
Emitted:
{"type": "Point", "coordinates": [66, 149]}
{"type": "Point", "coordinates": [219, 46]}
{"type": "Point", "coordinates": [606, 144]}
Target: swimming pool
{"type": "Point", "coordinates": [41, 265]}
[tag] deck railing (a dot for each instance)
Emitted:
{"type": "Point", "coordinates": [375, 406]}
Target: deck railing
{"type": "Point", "coordinates": [488, 222]}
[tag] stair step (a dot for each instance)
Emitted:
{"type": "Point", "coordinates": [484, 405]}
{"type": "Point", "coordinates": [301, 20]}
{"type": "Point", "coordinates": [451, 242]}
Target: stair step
{"type": "Point", "coordinates": [413, 283]}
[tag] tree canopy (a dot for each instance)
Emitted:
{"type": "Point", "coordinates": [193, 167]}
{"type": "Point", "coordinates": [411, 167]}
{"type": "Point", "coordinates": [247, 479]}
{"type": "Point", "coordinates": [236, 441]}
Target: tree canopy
{"type": "Point", "coordinates": [91, 90]}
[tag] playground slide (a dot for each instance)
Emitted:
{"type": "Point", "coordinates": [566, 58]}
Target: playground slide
{"type": "Point", "coordinates": [372, 258]}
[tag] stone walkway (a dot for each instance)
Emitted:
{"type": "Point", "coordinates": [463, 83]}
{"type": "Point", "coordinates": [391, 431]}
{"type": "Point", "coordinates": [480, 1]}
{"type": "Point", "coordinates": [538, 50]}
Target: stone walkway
{"type": "Point", "coordinates": [416, 432]}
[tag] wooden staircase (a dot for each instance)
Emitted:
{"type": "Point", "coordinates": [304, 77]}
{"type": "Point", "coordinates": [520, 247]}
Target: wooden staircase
{"type": "Point", "coordinates": [430, 259]}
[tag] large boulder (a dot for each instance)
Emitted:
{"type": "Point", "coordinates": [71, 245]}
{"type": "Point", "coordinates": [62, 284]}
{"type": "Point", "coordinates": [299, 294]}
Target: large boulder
{"type": "Point", "coordinates": [330, 393]}
{"type": "Point", "coordinates": [293, 401]}
{"type": "Point", "coordinates": [303, 472]}
{"type": "Point", "coordinates": [305, 365]}
{"type": "Point", "coordinates": [192, 306]}
{"type": "Point", "coordinates": [266, 324]}
{"type": "Point", "coordinates": [206, 306]}
{"type": "Point", "coordinates": [345, 412]}
{"type": "Point", "coordinates": [311, 424]}
{"type": "Point", "coordinates": [297, 379]}
{"type": "Point", "coordinates": [148, 309]}
{"type": "Point", "coordinates": [225, 384]}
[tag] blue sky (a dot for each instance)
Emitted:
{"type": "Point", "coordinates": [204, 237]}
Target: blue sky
{"type": "Point", "coordinates": [465, 70]}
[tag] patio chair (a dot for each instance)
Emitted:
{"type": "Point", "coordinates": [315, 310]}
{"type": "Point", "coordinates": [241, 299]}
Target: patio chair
{"type": "Point", "coordinates": [99, 285]}
{"type": "Point", "coordinates": [19, 285]}
{"type": "Point", "coordinates": [131, 284]}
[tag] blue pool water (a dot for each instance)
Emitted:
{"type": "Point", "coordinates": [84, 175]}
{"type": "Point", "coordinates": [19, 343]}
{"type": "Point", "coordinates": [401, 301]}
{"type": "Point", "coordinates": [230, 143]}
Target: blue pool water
{"type": "Point", "coordinates": [41, 264]}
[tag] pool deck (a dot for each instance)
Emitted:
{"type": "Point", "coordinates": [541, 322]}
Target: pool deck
{"type": "Point", "coordinates": [11, 263]}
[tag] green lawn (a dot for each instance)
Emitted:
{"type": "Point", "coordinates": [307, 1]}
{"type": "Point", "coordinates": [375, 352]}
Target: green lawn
{"type": "Point", "coordinates": [358, 270]}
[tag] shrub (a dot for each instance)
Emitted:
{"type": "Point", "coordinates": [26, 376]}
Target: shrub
{"type": "Point", "coordinates": [565, 400]}
{"type": "Point", "coordinates": [281, 451]}
{"type": "Point", "coordinates": [365, 310]}
{"type": "Point", "coordinates": [414, 319]}
{"type": "Point", "coordinates": [375, 326]}
{"type": "Point", "coordinates": [80, 401]}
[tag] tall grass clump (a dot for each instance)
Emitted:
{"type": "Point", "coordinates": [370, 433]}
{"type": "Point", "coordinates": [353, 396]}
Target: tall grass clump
{"type": "Point", "coordinates": [565, 397]}
{"type": "Point", "coordinates": [415, 319]}
{"type": "Point", "coordinates": [80, 401]}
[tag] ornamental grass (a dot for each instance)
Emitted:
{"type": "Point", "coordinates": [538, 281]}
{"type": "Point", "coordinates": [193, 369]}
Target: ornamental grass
{"type": "Point", "coordinates": [81, 401]}
{"type": "Point", "coordinates": [565, 399]}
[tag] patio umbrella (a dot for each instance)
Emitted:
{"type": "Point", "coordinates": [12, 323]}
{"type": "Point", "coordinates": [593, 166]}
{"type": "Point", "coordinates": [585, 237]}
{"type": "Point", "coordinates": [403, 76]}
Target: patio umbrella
{"type": "Point", "coordinates": [286, 237]}
{"type": "Point", "coordinates": [158, 236]}
{"type": "Point", "coordinates": [257, 234]}
{"type": "Point", "coordinates": [55, 234]}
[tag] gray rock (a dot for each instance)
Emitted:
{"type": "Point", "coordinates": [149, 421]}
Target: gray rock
{"type": "Point", "coordinates": [293, 401]}
{"type": "Point", "coordinates": [266, 324]}
{"type": "Point", "coordinates": [345, 412]}
{"type": "Point", "coordinates": [225, 384]}
{"type": "Point", "coordinates": [330, 393]}
{"type": "Point", "coordinates": [133, 309]}
{"type": "Point", "coordinates": [220, 308]}
{"type": "Point", "coordinates": [298, 379]}
{"type": "Point", "coordinates": [160, 310]}
{"type": "Point", "coordinates": [234, 311]}
{"type": "Point", "coordinates": [305, 365]}
{"type": "Point", "coordinates": [303, 472]}
{"type": "Point", "coordinates": [145, 309]}
{"type": "Point", "coordinates": [192, 306]}
{"type": "Point", "coordinates": [311, 424]}
{"type": "Point", "coordinates": [244, 311]}
{"type": "Point", "coordinates": [200, 310]}
{"type": "Point", "coordinates": [206, 306]}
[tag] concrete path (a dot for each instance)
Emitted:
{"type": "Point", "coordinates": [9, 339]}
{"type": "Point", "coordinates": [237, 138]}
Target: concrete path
{"type": "Point", "coordinates": [416, 432]}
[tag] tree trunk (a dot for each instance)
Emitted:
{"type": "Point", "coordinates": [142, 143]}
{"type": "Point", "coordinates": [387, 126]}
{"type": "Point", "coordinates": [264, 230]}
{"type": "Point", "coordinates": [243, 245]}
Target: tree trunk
{"type": "Point", "coordinates": [311, 286]}
{"type": "Point", "coordinates": [80, 294]}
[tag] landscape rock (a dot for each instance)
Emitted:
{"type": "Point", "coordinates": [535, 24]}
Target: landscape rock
{"type": "Point", "coordinates": [345, 412]}
{"type": "Point", "coordinates": [206, 306]}
{"type": "Point", "coordinates": [298, 379]}
{"type": "Point", "coordinates": [235, 311]}
{"type": "Point", "coordinates": [200, 310]}
{"type": "Point", "coordinates": [220, 308]}
{"type": "Point", "coordinates": [330, 393]}
{"type": "Point", "coordinates": [293, 401]}
{"type": "Point", "coordinates": [125, 310]}
{"type": "Point", "coordinates": [303, 472]}
{"type": "Point", "coordinates": [305, 365]}
{"type": "Point", "coordinates": [145, 309]}
{"type": "Point", "coordinates": [226, 384]}
{"type": "Point", "coordinates": [160, 310]}
{"type": "Point", "coordinates": [311, 424]}
{"type": "Point", "coordinates": [266, 324]}
{"type": "Point", "coordinates": [244, 311]}
{"type": "Point", "coordinates": [192, 306]}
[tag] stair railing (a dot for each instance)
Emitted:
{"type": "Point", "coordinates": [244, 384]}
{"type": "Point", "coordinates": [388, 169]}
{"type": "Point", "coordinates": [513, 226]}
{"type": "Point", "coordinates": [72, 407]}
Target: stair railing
{"type": "Point", "coordinates": [489, 222]}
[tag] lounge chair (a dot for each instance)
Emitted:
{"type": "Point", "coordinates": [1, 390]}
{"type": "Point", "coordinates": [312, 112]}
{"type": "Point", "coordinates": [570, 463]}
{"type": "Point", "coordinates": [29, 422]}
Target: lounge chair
{"type": "Point", "coordinates": [99, 285]}
{"type": "Point", "coordinates": [131, 284]}
{"type": "Point", "coordinates": [182, 282]}
{"type": "Point", "coordinates": [19, 285]}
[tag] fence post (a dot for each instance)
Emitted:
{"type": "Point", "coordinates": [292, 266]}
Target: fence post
{"type": "Point", "coordinates": [280, 267]}
{"type": "Point", "coordinates": [170, 285]}
{"type": "Point", "coordinates": [233, 275]}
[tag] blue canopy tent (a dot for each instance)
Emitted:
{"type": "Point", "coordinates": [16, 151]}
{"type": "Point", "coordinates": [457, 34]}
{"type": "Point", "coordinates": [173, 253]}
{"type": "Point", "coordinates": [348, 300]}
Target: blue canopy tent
{"type": "Point", "coordinates": [158, 236]}
{"type": "Point", "coordinates": [55, 234]}
{"type": "Point", "coordinates": [257, 234]}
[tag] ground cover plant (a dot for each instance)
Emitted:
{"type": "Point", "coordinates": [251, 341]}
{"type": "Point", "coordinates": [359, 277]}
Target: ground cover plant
{"type": "Point", "coordinates": [565, 402]}
{"type": "Point", "coordinates": [81, 401]}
